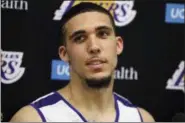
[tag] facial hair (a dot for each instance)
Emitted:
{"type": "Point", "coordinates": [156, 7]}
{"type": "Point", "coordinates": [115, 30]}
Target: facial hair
{"type": "Point", "coordinates": [98, 83]}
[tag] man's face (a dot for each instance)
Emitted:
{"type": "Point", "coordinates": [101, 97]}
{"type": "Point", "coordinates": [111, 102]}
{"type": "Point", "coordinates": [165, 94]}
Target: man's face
{"type": "Point", "coordinates": [91, 46]}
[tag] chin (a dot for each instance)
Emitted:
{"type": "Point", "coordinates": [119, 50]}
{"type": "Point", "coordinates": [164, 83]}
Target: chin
{"type": "Point", "coordinates": [98, 75]}
{"type": "Point", "coordinates": [98, 81]}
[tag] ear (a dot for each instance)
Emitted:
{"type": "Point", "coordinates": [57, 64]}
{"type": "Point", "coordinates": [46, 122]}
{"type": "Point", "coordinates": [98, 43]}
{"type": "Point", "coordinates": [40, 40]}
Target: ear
{"type": "Point", "coordinates": [63, 53]}
{"type": "Point", "coordinates": [119, 45]}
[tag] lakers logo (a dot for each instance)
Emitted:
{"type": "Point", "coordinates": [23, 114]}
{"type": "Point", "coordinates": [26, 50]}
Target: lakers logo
{"type": "Point", "coordinates": [10, 66]}
{"type": "Point", "coordinates": [177, 80]}
{"type": "Point", "coordinates": [122, 11]}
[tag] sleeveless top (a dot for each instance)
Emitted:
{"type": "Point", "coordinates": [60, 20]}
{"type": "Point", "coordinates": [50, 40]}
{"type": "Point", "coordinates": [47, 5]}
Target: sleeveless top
{"type": "Point", "coordinates": [53, 107]}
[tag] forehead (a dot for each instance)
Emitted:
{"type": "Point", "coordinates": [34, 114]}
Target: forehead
{"type": "Point", "coordinates": [87, 21]}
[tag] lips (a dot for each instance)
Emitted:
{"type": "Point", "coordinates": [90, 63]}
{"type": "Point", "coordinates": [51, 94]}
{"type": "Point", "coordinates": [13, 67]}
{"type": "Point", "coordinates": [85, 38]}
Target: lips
{"type": "Point", "coordinates": [95, 63]}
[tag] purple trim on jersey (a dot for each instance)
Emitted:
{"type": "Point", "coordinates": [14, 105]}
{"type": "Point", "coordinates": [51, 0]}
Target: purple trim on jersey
{"type": "Point", "coordinates": [73, 108]}
{"type": "Point", "coordinates": [49, 100]}
{"type": "Point", "coordinates": [81, 116]}
{"type": "Point", "coordinates": [129, 104]}
{"type": "Point", "coordinates": [140, 115]}
{"type": "Point", "coordinates": [124, 101]}
{"type": "Point", "coordinates": [117, 109]}
{"type": "Point", "coordinates": [39, 112]}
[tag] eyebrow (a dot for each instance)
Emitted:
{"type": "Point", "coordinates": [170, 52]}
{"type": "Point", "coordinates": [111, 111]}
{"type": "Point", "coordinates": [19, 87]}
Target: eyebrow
{"type": "Point", "coordinates": [83, 31]}
{"type": "Point", "coordinates": [103, 27]}
{"type": "Point", "coordinates": [77, 33]}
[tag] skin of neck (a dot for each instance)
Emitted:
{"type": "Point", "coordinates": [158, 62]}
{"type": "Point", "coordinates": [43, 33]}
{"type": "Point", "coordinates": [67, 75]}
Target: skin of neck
{"type": "Point", "coordinates": [82, 96]}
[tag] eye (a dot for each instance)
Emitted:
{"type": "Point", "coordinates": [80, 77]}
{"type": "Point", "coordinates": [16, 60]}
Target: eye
{"type": "Point", "coordinates": [103, 34]}
{"type": "Point", "coordinates": [79, 38]}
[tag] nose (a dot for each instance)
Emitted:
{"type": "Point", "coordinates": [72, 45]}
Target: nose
{"type": "Point", "coordinates": [93, 45]}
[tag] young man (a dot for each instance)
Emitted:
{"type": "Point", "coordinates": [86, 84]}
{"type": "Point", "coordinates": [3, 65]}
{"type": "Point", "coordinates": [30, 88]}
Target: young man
{"type": "Point", "coordinates": [90, 46]}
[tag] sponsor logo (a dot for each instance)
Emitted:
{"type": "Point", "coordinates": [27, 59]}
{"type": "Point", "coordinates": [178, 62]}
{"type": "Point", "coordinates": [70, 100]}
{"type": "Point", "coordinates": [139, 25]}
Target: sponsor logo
{"type": "Point", "coordinates": [177, 80]}
{"type": "Point", "coordinates": [10, 66]}
{"type": "Point", "coordinates": [174, 13]}
{"type": "Point", "coordinates": [122, 11]}
{"type": "Point", "coordinates": [60, 70]}
{"type": "Point", "coordinates": [126, 74]}
{"type": "Point", "coordinates": [14, 4]}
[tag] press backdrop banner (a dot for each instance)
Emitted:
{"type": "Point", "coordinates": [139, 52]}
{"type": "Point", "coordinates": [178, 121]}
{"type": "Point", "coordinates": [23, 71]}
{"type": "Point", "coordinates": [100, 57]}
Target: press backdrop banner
{"type": "Point", "coordinates": [150, 71]}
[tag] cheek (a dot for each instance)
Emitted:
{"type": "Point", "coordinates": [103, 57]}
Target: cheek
{"type": "Point", "coordinates": [76, 56]}
{"type": "Point", "coordinates": [111, 53]}
{"type": "Point", "coordinates": [111, 49]}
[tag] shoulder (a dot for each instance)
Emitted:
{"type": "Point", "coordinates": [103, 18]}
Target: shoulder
{"type": "Point", "coordinates": [33, 112]}
{"type": "Point", "coordinates": [146, 116]}
{"type": "Point", "coordinates": [26, 114]}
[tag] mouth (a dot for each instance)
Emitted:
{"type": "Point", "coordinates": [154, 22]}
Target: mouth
{"type": "Point", "coordinates": [95, 63]}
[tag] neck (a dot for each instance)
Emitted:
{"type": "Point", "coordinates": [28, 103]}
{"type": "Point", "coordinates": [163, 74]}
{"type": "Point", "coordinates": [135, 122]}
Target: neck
{"type": "Point", "coordinates": [91, 98]}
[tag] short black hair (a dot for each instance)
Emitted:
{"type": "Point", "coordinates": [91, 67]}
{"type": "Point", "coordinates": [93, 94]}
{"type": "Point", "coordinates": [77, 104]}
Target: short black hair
{"type": "Point", "coordinates": [78, 9]}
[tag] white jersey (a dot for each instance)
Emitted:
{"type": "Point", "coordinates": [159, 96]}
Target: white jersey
{"type": "Point", "coordinates": [54, 108]}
